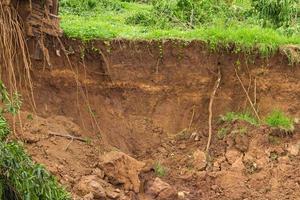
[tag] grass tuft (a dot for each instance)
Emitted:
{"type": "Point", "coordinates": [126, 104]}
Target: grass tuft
{"type": "Point", "coordinates": [160, 170]}
{"type": "Point", "coordinates": [222, 133]}
{"type": "Point", "coordinates": [278, 119]}
{"type": "Point", "coordinates": [233, 116]}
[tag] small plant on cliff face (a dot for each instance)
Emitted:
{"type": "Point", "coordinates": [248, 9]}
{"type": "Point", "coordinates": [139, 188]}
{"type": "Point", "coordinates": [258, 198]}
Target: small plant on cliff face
{"type": "Point", "coordinates": [222, 133]}
{"type": "Point", "coordinates": [232, 116]}
{"type": "Point", "coordinates": [18, 173]}
{"type": "Point", "coordinates": [278, 119]}
{"type": "Point", "coordinates": [11, 104]}
{"type": "Point", "coordinates": [160, 170]}
{"type": "Point", "coordinates": [240, 131]}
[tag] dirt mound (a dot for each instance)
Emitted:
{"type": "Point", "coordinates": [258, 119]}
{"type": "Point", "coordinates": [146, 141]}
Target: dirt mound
{"type": "Point", "coordinates": [243, 164]}
{"type": "Point", "coordinates": [131, 105]}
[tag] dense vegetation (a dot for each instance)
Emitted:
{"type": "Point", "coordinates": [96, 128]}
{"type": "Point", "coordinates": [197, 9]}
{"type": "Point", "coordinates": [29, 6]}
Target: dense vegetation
{"type": "Point", "coordinates": [20, 177]}
{"type": "Point", "coordinates": [266, 24]}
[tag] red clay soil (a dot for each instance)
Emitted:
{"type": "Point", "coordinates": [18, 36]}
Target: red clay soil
{"type": "Point", "coordinates": [150, 101]}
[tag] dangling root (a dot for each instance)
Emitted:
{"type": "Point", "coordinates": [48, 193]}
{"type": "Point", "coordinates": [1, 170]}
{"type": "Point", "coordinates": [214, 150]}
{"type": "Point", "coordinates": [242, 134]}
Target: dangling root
{"type": "Point", "coordinates": [210, 110]}
{"type": "Point", "coordinates": [15, 62]}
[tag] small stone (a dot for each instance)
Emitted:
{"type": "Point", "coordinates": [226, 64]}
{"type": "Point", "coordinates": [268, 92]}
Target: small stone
{"type": "Point", "coordinates": [232, 155]}
{"type": "Point", "coordinates": [238, 165]}
{"type": "Point", "coordinates": [112, 195]}
{"type": "Point", "coordinates": [90, 184]}
{"type": "Point", "coordinates": [98, 172]}
{"type": "Point", "coordinates": [293, 149]}
{"type": "Point", "coordinates": [182, 146]}
{"type": "Point", "coordinates": [161, 190]}
{"type": "Point", "coordinates": [214, 187]}
{"type": "Point", "coordinates": [284, 159]}
{"type": "Point", "coordinates": [89, 196]}
{"type": "Point", "coordinates": [199, 160]}
{"type": "Point", "coordinates": [123, 169]}
{"type": "Point", "coordinates": [181, 195]}
{"type": "Point", "coordinates": [193, 135]}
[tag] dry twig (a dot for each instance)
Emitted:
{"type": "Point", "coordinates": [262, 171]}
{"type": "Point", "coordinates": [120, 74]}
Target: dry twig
{"type": "Point", "coordinates": [247, 94]}
{"type": "Point", "coordinates": [192, 118]}
{"type": "Point", "coordinates": [67, 136]}
{"type": "Point", "coordinates": [67, 147]}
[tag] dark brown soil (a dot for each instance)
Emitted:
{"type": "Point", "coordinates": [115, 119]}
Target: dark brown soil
{"type": "Point", "coordinates": [139, 98]}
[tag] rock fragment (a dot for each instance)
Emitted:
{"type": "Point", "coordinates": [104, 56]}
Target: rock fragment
{"type": "Point", "coordinates": [122, 169]}
{"type": "Point", "coordinates": [161, 190]}
{"type": "Point", "coordinates": [199, 160]}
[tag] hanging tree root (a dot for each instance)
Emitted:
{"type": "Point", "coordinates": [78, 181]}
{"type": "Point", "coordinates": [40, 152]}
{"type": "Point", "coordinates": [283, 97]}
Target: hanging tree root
{"type": "Point", "coordinates": [14, 55]}
{"type": "Point", "coordinates": [15, 62]}
{"type": "Point", "coordinates": [210, 107]}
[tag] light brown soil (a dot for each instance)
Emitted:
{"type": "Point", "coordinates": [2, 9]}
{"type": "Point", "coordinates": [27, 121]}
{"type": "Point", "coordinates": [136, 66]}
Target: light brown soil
{"type": "Point", "coordinates": [139, 98]}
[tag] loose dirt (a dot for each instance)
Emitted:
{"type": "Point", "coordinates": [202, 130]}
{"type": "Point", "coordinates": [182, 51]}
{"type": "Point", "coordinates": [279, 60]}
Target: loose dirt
{"type": "Point", "coordinates": [142, 110]}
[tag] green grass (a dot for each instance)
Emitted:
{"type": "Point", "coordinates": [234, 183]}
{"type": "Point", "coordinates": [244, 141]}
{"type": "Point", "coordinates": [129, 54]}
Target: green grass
{"type": "Point", "coordinates": [160, 170]}
{"type": "Point", "coordinates": [222, 133]}
{"type": "Point", "coordinates": [135, 21]}
{"type": "Point", "coordinates": [278, 119]}
{"type": "Point", "coordinates": [233, 116]}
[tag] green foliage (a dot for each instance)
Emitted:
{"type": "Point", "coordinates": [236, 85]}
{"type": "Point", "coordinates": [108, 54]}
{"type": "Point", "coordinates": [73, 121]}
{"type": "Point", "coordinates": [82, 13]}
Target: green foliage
{"type": "Point", "coordinates": [160, 170]}
{"type": "Point", "coordinates": [222, 133]}
{"type": "Point", "coordinates": [189, 13]}
{"type": "Point", "coordinates": [27, 180]}
{"type": "Point", "coordinates": [31, 181]}
{"type": "Point", "coordinates": [217, 22]}
{"type": "Point", "coordinates": [12, 104]}
{"type": "Point", "coordinates": [278, 119]}
{"type": "Point", "coordinates": [239, 131]}
{"type": "Point", "coordinates": [278, 12]}
{"type": "Point", "coordinates": [232, 116]}
{"type": "Point", "coordinates": [4, 128]}
{"type": "Point", "coordinates": [1, 188]}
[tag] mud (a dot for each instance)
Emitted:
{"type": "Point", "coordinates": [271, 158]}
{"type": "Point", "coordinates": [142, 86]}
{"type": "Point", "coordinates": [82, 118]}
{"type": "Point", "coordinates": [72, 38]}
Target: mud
{"type": "Point", "coordinates": [150, 101]}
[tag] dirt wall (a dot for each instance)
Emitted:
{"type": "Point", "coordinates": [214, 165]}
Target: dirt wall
{"type": "Point", "coordinates": [134, 93]}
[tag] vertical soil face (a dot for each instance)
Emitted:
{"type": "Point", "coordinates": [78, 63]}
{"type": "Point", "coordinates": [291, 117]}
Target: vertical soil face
{"type": "Point", "coordinates": [136, 93]}
{"type": "Point", "coordinates": [150, 100]}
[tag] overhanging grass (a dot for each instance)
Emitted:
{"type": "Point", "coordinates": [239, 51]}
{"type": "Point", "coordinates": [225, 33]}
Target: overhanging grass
{"type": "Point", "coordinates": [108, 24]}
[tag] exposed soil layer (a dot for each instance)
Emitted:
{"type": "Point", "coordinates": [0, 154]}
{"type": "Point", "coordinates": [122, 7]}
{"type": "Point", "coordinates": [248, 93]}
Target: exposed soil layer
{"type": "Point", "coordinates": [150, 101]}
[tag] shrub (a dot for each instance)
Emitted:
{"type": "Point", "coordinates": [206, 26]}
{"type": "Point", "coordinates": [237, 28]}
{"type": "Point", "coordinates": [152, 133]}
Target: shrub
{"type": "Point", "coordinates": [189, 13]}
{"type": "Point", "coordinates": [88, 7]}
{"type": "Point", "coordinates": [20, 177]}
{"type": "Point", "coordinates": [278, 12]}
{"type": "Point", "coordinates": [28, 180]}
{"type": "Point", "coordinates": [278, 119]}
